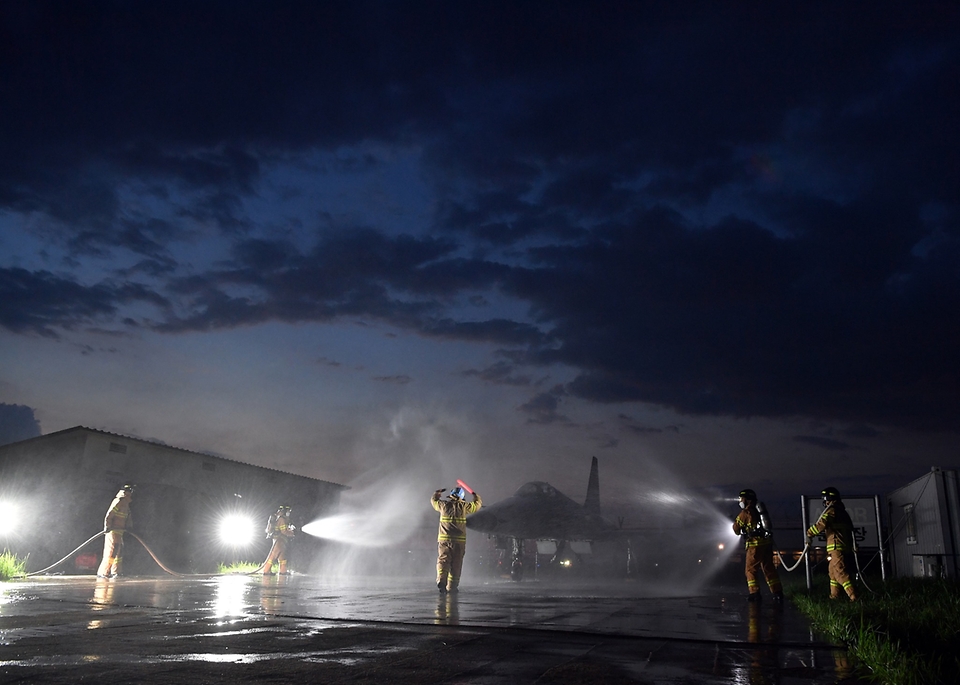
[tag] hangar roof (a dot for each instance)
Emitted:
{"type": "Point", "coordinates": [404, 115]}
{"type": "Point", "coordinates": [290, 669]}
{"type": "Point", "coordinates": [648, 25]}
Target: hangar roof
{"type": "Point", "coordinates": [206, 455]}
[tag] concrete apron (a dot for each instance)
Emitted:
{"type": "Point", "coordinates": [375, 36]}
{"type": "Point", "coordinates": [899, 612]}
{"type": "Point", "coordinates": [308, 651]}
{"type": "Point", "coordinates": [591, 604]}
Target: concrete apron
{"type": "Point", "coordinates": [234, 629]}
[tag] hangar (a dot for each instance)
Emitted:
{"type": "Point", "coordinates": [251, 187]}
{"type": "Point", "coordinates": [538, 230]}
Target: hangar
{"type": "Point", "coordinates": [55, 489]}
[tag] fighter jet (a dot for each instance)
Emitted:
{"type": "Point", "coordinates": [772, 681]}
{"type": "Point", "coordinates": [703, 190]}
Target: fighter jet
{"type": "Point", "coordinates": [538, 511]}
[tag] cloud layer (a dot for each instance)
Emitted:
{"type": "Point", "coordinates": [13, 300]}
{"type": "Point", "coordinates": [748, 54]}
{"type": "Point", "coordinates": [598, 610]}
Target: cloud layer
{"type": "Point", "coordinates": [737, 212]}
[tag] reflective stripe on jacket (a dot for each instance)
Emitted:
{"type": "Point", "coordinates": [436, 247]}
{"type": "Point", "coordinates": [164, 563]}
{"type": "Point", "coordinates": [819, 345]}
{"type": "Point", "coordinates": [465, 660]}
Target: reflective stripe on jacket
{"type": "Point", "coordinates": [453, 517]}
{"type": "Point", "coordinates": [836, 523]}
{"type": "Point", "coordinates": [118, 515]}
{"type": "Point", "coordinates": [281, 528]}
{"type": "Point", "coordinates": [748, 524]}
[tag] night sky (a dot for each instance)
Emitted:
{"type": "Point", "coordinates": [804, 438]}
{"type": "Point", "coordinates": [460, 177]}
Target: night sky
{"type": "Point", "coordinates": [716, 245]}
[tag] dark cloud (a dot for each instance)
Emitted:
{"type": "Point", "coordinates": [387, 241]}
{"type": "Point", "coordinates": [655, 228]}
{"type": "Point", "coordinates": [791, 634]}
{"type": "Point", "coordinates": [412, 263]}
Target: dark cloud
{"type": "Point", "coordinates": [494, 330]}
{"type": "Point", "coordinates": [346, 274]}
{"type": "Point", "coordinates": [403, 280]}
{"type": "Point", "coordinates": [608, 443]}
{"type": "Point", "coordinates": [825, 443]}
{"type": "Point", "coordinates": [543, 407]}
{"type": "Point", "coordinates": [88, 350]}
{"type": "Point", "coordinates": [153, 268]}
{"type": "Point", "coordinates": [401, 379]}
{"type": "Point", "coordinates": [725, 211]}
{"type": "Point", "coordinates": [735, 320]}
{"type": "Point", "coordinates": [17, 422]}
{"type": "Point", "coordinates": [635, 426]}
{"type": "Point", "coordinates": [860, 431]}
{"type": "Point", "coordinates": [501, 373]}
{"type": "Point", "coordinates": [41, 302]}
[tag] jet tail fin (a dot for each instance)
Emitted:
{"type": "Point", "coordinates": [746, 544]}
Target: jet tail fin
{"type": "Point", "coordinates": [592, 503]}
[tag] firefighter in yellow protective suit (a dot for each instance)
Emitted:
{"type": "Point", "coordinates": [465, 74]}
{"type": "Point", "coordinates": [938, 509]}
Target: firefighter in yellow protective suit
{"type": "Point", "coordinates": [452, 536]}
{"type": "Point", "coordinates": [115, 522]}
{"type": "Point", "coordinates": [281, 531]}
{"type": "Point", "coordinates": [836, 523]}
{"type": "Point", "coordinates": [752, 524]}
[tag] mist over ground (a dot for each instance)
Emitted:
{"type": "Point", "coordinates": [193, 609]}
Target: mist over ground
{"type": "Point", "coordinates": [386, 527]}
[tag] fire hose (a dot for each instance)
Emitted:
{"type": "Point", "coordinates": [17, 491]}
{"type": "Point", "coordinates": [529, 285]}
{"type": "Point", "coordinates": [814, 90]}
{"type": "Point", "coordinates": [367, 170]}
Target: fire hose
{"type": "Point", "coordinates": [783, 563]}
{"type": "Point", "coordinates": [135, 536]}
{"type": "Point", "coordinates": [806, 548]}
{"type": "Point", "coordinates": [55, 564]}
{"type": "Point", "coordinates": [154, 556]}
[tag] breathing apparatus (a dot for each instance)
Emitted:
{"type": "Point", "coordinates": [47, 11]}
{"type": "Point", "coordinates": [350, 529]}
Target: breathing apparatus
{"type": "Point", "coordinates": [271, 529]}
{"type": "Point", "coordinates": [764, 530]}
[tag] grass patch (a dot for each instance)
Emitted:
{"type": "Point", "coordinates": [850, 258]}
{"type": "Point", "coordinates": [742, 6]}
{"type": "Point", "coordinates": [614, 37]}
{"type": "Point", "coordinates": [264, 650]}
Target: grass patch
{"type": "Point", "coordinates": [239, 567]}
{"type": "Point", "coordinates": [11, 566]}
{"type": "Point", "coordinates": [907, 633]}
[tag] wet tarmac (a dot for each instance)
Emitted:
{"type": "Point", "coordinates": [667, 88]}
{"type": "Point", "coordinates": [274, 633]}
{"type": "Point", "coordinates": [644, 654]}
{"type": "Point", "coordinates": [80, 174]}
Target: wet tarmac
{"type": "Point", "coordinates": [301, 629]}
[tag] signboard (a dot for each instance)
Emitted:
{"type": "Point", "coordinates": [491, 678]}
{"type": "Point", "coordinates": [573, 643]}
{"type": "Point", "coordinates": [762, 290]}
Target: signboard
{"type": "Point", "coordinates": [863, 513]}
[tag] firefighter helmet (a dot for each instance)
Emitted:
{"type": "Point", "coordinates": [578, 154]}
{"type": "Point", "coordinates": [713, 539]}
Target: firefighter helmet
{"type": "Point", "coordinates": [830, 494]}
{"type": "Point", "coordinates": [748, 494]}
{"type": "Point", "coordinates": [457, 493]}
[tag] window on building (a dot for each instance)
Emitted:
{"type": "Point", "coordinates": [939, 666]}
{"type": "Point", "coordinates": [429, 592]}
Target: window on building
{"type": "Point", "coordinates": [118, 448]}
{"type": "Point", "coordinates": [910, 524]}
{"type": "Point", "coordinates": [207, 466]}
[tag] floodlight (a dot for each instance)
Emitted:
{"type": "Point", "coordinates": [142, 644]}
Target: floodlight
{"type": "Point", "coordinates": [236, 530]}
{"type": "Point", "coordinates": [9, 517]}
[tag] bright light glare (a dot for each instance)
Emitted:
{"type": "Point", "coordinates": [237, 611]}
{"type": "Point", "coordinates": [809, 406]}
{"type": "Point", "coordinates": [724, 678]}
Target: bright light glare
{"type": "Point", "coordinates": [9, 518]}
{"type": "Point", "coordinates": [230, 597]}
{"type": "Point", "coordinates": [236, 530]}
{"type": "Point", "coordinates": [720, 546]}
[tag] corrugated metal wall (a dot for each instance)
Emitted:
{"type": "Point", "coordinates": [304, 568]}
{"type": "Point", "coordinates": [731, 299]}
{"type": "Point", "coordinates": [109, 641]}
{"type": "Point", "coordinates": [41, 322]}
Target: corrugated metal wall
{"type": "Point", "coordinates": [64, 482]}
{"type": "Point", "coordinates": [925, 525]}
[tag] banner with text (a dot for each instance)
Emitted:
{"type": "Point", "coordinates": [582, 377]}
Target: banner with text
{"type": "Point", "coordinates": [863, 513]}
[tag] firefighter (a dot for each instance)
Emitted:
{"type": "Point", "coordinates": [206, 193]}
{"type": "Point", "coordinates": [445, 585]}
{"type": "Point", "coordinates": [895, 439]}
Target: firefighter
{"type": "Point", "coordinates": [836, 523]}
{"type": "Point", "coordinates": [752, 523]}
{"type": "Point", "coordinates": [452, 536]}
{"type": "Point", "coordinates": [115, 522]}
{"type": "Point", "coordinates": [281, 531]}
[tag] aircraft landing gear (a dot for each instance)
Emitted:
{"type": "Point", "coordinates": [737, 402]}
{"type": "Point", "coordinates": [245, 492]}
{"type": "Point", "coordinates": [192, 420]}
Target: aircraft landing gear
{"type": "Point", "coordinates": [516, 560]}
{"type": "Point", "coordinates": [558, 555]}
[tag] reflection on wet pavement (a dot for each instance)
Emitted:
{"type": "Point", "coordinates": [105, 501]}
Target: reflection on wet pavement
{"type": "Point", "coordinates": [282, 625]}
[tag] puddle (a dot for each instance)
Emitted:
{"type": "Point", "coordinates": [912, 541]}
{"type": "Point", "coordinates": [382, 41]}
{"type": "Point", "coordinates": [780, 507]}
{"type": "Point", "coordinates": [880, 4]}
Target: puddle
{"type": "Point", "coordinates": [350, 657]}
{"type": "Point", "coordinates": [225, 633]}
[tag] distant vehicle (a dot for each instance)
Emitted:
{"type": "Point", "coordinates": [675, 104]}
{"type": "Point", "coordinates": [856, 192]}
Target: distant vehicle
{"type": "Point", "coordinates": [538, 511]}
